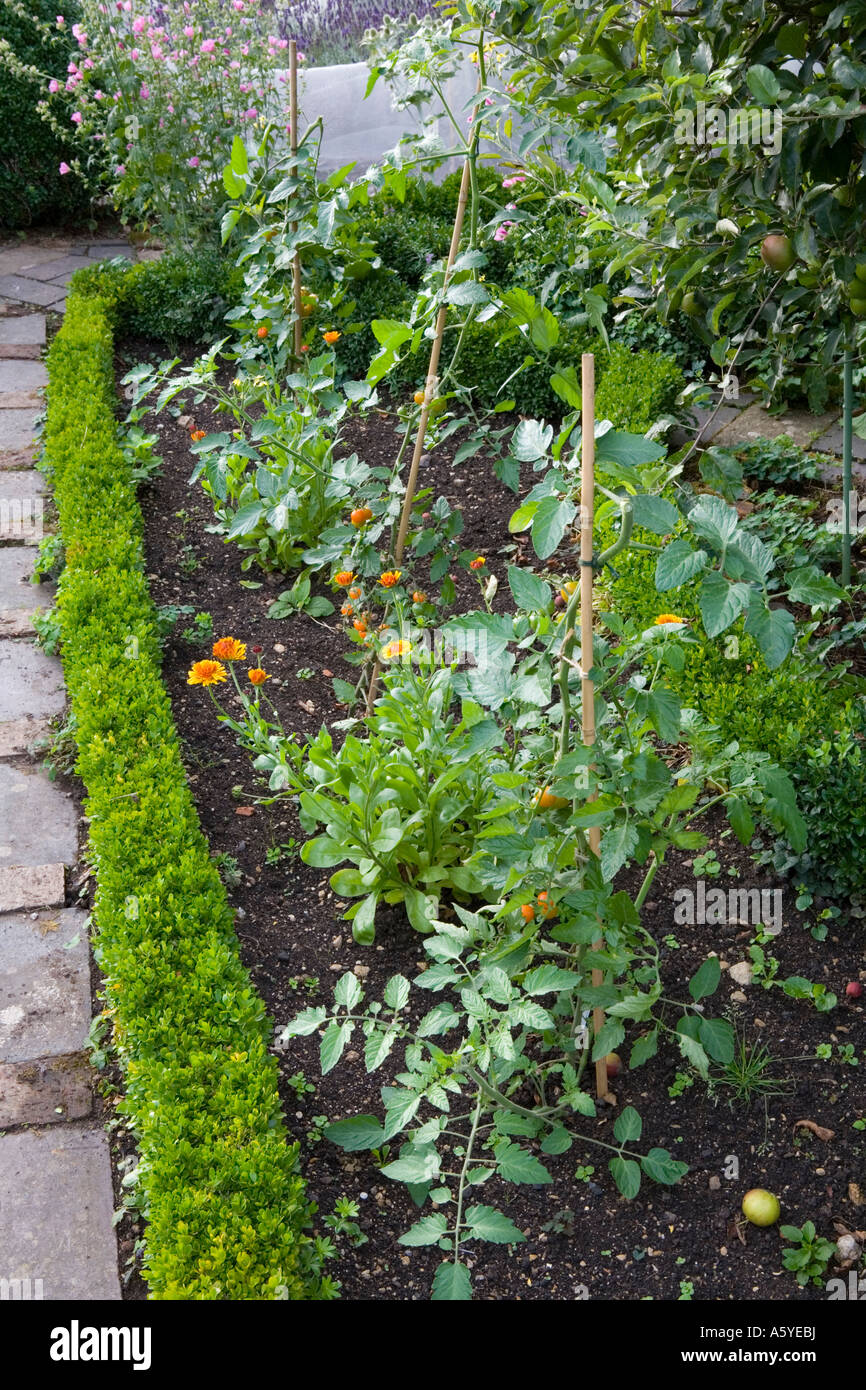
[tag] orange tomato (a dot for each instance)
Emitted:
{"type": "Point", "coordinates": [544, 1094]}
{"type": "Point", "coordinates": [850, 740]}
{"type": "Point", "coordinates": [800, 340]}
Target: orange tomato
{"type": "Point", "coordinates": [527, 912]}
{"type": "Point", "coordinates": [548, 909]}
{"type": "Point", "coordinates": [262, 331]}
{"type": "Point", "coordinates": [360, 516]}
{"type": "Point", "coordinates": [546, 801]}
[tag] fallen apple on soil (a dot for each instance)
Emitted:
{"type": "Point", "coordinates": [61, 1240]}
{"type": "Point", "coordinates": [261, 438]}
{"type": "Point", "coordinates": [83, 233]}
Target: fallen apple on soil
{"type": "Point", "coordinates": [761, 1207]}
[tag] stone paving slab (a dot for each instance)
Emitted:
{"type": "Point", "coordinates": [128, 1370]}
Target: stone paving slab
{"type": "Point", "coordinates": [30, 401]}
{"type": "Point", "coordinates": [55, 1221]}
{"type": "Point", "coordinates": [29, 680]}
{"type": "Point", "coordinates": [35, 885]}
{"type": "Point", "coordinates": [26, 482]}
{"type": "Point", "coordinates": [108, 250]}
{"type": "Point", "coordinates": [20, 351]}
{"type": "Point", "coordinates": [14, 259]}
{"type": "Point", "coordinates": [44, 984]}
{"type": "Point", "coordinates": [18, 736]}
{"type": "Point", "coordinates": [12, 459]}
{"type": "Point", "coordinates": [26, 290]}
{"type": "Point", "coordinates": [22, 376]}
{"type": "Point", "coordinates": [755, 423]}
{"type": "Point", "coordinates": [830, 442]}
{"type": "Point", "coordinates": [19, 599]}
{"type": "Point", "coordinates": [38, 821]}
{"type": "Point", "coordinates": [59, 305]}
{"type": "Point", "coordinates": [60, 265]}
{"type": "Point", "coordinates": [28, 330]}
{"type": "Point", "coordinates": [16, 433]}
{"type": "Point", "coordinates": [45, 1091]}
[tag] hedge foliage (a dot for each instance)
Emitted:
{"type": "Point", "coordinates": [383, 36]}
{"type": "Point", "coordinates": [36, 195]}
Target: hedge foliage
{"type": "Point", "coordinates": [32, 49]}
{"type": "Point", "coordinates": [181, 298]}
{"type": "Point", "coordinates": [224, 1202]}
{"type": "Point", "coordinates": [810, 722]}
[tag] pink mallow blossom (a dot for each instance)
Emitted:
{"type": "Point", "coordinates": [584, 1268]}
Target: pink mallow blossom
{"type": "Point", "coordinates": [64, 168]}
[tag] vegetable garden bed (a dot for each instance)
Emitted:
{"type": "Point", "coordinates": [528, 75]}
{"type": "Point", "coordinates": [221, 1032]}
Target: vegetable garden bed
{"type": "Point", "coordinates": [581, 1237]}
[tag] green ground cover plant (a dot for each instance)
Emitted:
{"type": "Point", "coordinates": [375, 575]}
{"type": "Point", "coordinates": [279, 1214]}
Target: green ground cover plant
{"type": "Point", "coordinates": [226, 1210]}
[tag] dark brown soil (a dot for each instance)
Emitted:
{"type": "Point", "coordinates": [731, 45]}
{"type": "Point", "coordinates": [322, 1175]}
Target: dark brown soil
{"type": "Point", "coordinates": [295, 945]}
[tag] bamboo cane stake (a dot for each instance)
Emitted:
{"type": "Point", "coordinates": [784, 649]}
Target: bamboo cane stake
{"type": "Point", "coordinates": [587, 687]}
{"type": "Point", "coordinates": [293, 136]}
{"type": "Point", "coordinates": [429, 395]}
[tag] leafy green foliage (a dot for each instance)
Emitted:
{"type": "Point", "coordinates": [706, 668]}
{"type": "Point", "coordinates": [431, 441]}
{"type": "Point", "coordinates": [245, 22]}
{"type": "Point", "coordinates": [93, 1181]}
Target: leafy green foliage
{"type": "Point", "coordinates": [32, 49]}
{"type": "Point", "coordinates": [180, 298]}
{"type": "Point", "coordinates": [226, 1210]}
{"type": "Point", "coordinates": [811, 1254]}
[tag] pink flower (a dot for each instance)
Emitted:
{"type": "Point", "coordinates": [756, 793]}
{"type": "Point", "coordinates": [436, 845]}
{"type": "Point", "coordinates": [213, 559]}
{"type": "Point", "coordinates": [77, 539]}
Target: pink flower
{"type": "Point", "coordinates": [134, 54]}
{"type": "Point", "coordinates": [194, 162]}
{"type": "Point", "coordinates": [98, 95]}
{"type": "Point", "coordinates": [189, 31]}
{"type": "Point", "coordinates": [72, 67]}
{"type": "Point", "coordinates": [138, 25]}
{"type": "Point", "coordinates": [251, 114]}
{"type": "Point", "coordinates": [60, 21]}
{"type": "Point", "coordinates": [64, 168]}
{"type": "Point", "coordinates": [515, 178]}
{"type": "Point", "coordinates": [54, 85]}
{"type": "Point", "coordinates": [144, 93]}
{"type": "Point", "coordinates": [121, 169]}
{"type": "Point", "coordinates": [156, 51]}
{"type": "Point", "coordinates": [76, 117]}
{"type": "Point", "coordinates": [238, 5]}
{"type": "Point", "coordinates": [208, 46]}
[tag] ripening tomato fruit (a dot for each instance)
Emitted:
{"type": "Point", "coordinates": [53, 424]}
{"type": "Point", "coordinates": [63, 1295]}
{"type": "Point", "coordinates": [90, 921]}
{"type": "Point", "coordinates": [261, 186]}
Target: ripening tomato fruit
{"type": "Point", "coordinates": [418, 398]}
{"type": "Point", "coordinates": [527, 912]}
{"type": "Point", "coordinates": [546, 801]}
{"type": "Point", "coordinates": [360, 516]}
{"type": "Point", "coordinates": [548, 909]}
{"type": "Point", "coordinates": [262, 331]}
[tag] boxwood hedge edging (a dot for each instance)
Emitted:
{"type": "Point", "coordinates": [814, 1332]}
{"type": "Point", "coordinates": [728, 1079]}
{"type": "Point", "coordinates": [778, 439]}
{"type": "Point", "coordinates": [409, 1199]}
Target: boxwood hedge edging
{"type": "Point", "coordinates": [225, 1205]}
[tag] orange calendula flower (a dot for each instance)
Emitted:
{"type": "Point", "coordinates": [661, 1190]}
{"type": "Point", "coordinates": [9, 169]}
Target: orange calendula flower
{"type": "Point", "coordinates": [344, 578]}
{"type": "Point", "coordinates": [418, 597]}
{"type": "Point", "coordinates": [258, 676]}
{"type": "Point", "coordinates": [359, 626]}
{"type": "Point", "coordinates": [478, 563]}
{"type": "Point", "coordinates": [355, 593]}
{"type": "Point", "coordinates": [668, 618]}
{"type": "Point", "coordinates": [392, 650]}
{"type": "Point", "coordinates": [197, 435]}
{"type": "Point", "coordinates": [390, 578]}
{"type": "Point", "coordinates": [347, 610]}
{"type": "Point", "coordinates": [206, 673]}
{"type": "Point", "coordinates": [332, 337]}
{"type": "Point", "coordinates": [229, 649]}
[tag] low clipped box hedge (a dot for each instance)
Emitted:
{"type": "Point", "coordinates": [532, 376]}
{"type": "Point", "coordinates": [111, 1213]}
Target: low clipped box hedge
{"type": "Point", "coordinates": [226, 1208]}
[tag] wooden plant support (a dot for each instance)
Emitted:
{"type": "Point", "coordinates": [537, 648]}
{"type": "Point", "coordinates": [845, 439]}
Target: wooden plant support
{"type": "Point", "coordinates": [587, 687]}
{"type": "Point", "coordinates": [293, 136]}
{"type": "Point", "coordinates": [429, 396]}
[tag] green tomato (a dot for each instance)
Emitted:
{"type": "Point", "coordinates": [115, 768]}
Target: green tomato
{"type": "Point", "coordinates": [860, 271]}
{"type": "Point", "coordinates": [690, 305]}
{"type": "Point", "coordinates": [858, 308]}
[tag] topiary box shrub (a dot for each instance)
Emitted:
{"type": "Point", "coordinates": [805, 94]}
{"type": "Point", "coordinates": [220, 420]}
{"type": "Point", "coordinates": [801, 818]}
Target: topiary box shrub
{"type": "Point", "coordinates": [226, 1208]}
